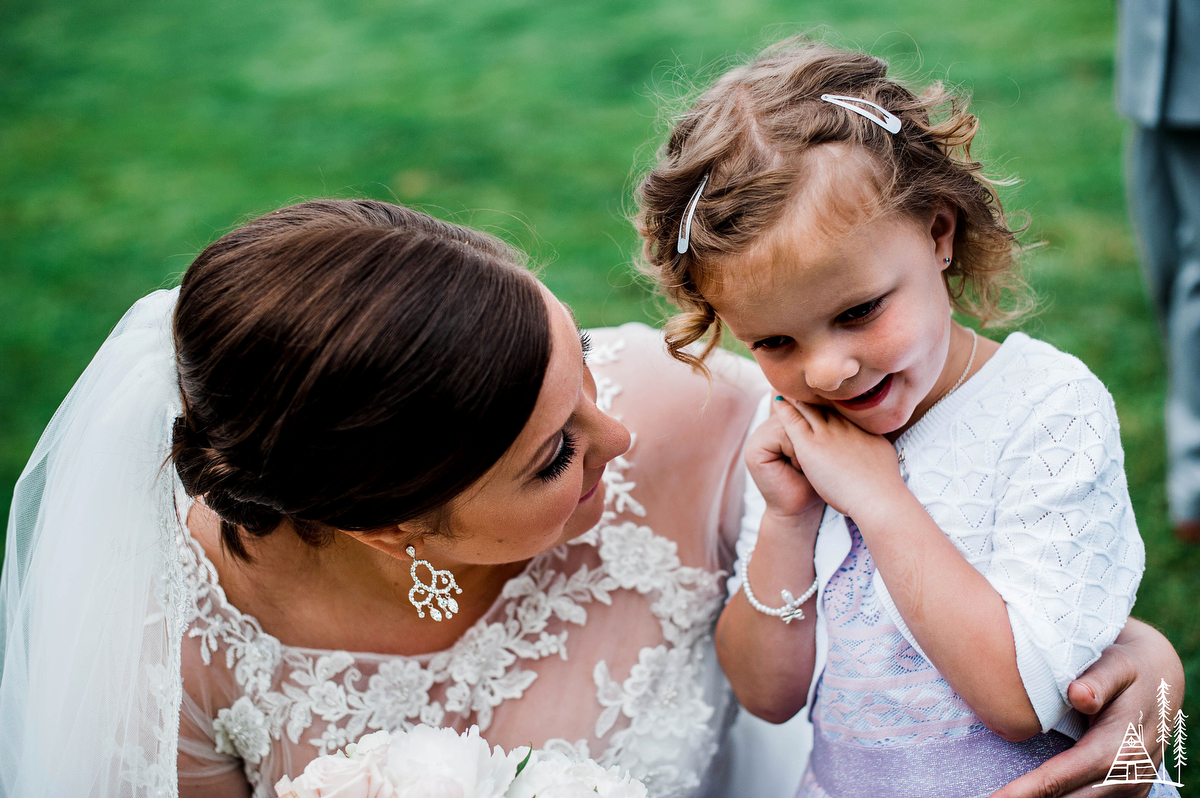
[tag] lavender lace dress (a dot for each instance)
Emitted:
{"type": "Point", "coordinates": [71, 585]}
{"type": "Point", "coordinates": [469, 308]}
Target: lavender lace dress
{"type": "Point", "coordinates": [885, 723]}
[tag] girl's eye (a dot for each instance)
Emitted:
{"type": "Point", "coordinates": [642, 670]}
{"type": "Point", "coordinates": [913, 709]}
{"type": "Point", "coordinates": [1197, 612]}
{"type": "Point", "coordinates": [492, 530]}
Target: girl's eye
{"type": "Point", "coordinates": [585, 343]}
{"type": "Point", "coordinates": [562, 460]}
{"type": "Point", "coordinates": [774, 342]}
{"type": "Point", "coordinates": [859, 312]}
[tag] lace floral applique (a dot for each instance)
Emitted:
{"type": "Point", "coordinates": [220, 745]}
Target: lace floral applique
{"type": "Point", "coordinates": [663, 700]}
{"type": "Point", "coordinates": [603, 354]}
{"type": "Point", "coordinates": [663, 695]}
{"type": "Point", "coordinates": [399, 694]}
{"type": "Point", "coordinates": [241, 730]}
{"type": "Point", "coordinates": [323, 700]}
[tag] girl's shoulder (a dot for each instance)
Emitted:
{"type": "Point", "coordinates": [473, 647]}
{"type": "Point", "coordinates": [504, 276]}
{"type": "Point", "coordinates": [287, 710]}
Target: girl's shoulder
{"type": "Point", "coordinates": [1033, 353]}
{"type": "Point", "coordinates": [1038, 398]}
{"type": "Point", "coordinates": [1028, 397]}
{"type": "Point", "coordinates": [1030, 372]}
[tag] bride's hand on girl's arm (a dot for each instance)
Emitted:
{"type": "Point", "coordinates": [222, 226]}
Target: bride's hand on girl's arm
{"type": "Point", "coordinates": [960, 621]}
{"type": "Point", "coordinates": [769, 663]}
{"type": "Point", "coordinates": [1119, 686]}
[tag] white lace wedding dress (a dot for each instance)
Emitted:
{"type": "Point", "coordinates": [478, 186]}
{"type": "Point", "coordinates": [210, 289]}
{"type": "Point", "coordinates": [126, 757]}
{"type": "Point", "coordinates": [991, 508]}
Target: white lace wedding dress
{"type": "Point", "coordinates": [602, 646]}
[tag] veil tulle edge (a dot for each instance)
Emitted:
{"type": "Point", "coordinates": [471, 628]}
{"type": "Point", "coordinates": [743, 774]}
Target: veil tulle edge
{"type": "Point", "coordinates": [92, 596]}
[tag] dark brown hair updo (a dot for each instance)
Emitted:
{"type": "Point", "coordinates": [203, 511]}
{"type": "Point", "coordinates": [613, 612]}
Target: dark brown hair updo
{"type": "Point", "coordinates": [350, 364]}
{"type": "Point", "coordinates": [751, 133]}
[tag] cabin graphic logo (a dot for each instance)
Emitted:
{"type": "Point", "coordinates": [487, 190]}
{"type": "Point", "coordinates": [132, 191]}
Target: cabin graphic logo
{"type": "Point", "coordinates": [1133, 764]}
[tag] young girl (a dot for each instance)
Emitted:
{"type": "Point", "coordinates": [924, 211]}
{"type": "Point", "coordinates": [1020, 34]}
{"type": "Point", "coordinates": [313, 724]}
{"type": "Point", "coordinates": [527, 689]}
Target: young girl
{"type": "Point", "coordinates": [954, 511]}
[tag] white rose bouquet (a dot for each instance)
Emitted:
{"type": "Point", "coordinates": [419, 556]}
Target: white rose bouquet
{"type": "Point", "coordinates": [440, 763]}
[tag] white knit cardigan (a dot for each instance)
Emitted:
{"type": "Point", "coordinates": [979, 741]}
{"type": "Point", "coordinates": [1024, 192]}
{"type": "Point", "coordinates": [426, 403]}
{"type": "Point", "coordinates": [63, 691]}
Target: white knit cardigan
{"type": "Point", "coordinates": [1022, 468]}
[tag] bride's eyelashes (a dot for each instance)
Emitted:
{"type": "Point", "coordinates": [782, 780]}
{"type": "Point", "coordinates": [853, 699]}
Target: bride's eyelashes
{"type": "Point", "coordinates": [585, 343]}
{"type": "Point", "coordinates": [562, 459]}
{"type": "Point", "coordinates": [567, 445]}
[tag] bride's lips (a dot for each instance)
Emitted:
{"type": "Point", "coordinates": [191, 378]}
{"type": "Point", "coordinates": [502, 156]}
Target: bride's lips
{"type": "Point", "coordinates": [868, 399]}
{"type": "Point", "coordinates": [591, 491]}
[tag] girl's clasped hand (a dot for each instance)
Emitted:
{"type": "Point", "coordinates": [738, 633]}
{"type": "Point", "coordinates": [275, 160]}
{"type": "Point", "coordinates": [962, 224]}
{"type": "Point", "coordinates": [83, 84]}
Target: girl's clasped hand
{"type": "Point", "coordinates": [775, 466]}
{"type": "Point", "coordinates": [853, 471]}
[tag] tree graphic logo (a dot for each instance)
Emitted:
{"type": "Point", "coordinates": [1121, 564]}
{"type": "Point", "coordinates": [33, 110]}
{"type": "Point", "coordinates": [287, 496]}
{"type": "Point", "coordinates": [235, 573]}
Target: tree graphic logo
{"type": "Point", "coordinates": [1133, 763]}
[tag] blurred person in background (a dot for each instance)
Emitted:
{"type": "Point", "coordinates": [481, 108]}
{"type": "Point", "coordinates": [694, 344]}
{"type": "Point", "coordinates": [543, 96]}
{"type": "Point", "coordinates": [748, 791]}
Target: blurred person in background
{"type": "Point", "coordinates": [1158, 89]}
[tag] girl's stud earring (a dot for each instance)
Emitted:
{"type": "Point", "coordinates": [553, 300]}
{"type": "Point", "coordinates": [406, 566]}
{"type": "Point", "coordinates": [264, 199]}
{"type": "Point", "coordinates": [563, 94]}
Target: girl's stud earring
{"type": "Point", "coordinates": [945, 260]}
{"type": "Point", "coordinates": [440, 585]}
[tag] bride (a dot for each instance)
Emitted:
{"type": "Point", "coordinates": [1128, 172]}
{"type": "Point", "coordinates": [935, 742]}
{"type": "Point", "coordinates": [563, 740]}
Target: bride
{"type": "Point", "coordinates": [363, 471]}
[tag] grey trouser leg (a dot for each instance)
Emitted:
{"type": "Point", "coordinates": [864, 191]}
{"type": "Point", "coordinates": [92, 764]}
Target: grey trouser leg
{"type": "Point", "coordinates": [1164, 188]}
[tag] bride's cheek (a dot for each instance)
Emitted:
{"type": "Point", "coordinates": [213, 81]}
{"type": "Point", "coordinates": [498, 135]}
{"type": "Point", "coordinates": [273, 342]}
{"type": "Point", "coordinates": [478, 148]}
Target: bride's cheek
{"type": "Point", "coordinates": [565, 509]}
{"type": "Point", "coordinates": [566, 505]}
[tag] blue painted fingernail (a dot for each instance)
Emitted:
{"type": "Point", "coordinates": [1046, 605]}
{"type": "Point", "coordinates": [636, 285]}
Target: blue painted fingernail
{"type": "Point", "coordinates": [778, 398]}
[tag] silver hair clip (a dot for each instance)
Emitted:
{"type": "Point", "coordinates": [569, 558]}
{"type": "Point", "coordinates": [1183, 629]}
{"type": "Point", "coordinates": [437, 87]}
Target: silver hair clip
{"type": "Point", "coordinates": [685, 227]}
{"type": "Point", "coordinates": [886, 119]}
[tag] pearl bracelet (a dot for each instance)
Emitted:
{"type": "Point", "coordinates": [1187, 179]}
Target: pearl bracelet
{"type": "Point", "coordinates": [791, 609]}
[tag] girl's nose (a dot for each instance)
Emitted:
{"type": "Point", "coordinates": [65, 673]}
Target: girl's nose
{"type": "Point", "coordinates": [826, 373]}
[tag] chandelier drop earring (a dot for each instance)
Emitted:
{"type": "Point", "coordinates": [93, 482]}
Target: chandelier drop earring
{"type": "Point", "coordinates": [423, 595]}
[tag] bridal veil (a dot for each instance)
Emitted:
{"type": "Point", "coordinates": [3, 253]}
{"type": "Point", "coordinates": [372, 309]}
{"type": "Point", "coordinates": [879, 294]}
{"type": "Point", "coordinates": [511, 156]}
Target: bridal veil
{"type": "Point", "coordinates": [91, 592]}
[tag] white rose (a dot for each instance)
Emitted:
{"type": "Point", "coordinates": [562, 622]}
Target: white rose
{"type": "Point", "coordinates": [551, 774]}
{"type": "Point", "coordinates": [440, 763]}
{"type": "Point", "coordinates": [373, 746]}
{"type": "Point", "coordinates": [544, 770]}
{"type": "Point", "coordinates": [573, 789]}
{"type": "Point", "coordinates": [612, 785]}
{"type": "Point", "coordinates": [337, 776]}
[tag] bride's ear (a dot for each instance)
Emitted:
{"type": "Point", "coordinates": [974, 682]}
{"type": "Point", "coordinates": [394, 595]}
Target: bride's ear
{"type": "Point", "coordinates": [392, 540]}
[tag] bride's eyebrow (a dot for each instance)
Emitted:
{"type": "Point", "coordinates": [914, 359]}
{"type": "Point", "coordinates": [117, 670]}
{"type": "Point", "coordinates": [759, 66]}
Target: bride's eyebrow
{"type": "Point", "coordinates": [585, 339]}
{"type": "Point", "coordinates": [571, 313]}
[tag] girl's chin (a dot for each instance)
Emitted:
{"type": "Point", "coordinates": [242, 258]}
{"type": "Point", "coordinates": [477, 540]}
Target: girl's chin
{"type": "Point", "coordinates": [880, 420]}
{"type": "Point", "coordinates": [877, 427]}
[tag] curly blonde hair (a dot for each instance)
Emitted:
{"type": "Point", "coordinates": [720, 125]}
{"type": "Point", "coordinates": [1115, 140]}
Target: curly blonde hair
{"type": "Point", "coordinates": [750, 133]}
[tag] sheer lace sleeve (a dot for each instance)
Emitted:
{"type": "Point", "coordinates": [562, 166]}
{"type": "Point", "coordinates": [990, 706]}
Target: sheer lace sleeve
{"type": "Point", "coordinates": [685, 425]}
{"type": "Point", "coordinates": [204, 770]}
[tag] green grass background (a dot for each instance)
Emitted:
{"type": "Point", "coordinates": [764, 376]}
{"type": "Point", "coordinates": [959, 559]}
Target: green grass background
{"type": "Point", "coordinates": [134, 133]}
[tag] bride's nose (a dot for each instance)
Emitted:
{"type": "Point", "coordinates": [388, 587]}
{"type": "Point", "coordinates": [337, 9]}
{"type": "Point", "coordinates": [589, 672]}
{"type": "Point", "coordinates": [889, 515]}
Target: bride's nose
{"type": "Point", "coordinates": [609, 439]}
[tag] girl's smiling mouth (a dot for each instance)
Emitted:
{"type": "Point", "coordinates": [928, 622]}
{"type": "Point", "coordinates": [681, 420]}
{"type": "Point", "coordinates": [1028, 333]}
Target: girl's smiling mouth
{"type": "Point", "coordinates": [869, 398]}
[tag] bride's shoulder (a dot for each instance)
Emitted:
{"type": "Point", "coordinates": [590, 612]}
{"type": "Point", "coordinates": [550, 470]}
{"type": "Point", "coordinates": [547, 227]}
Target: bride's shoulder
{"type": "Point", "coordinates": [658, 392]}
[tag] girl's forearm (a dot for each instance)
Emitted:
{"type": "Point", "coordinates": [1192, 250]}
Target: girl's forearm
{"type": "Point", "coordinates": [953, 612]}
{"type": "Point", "coordinates": [770, 663]}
